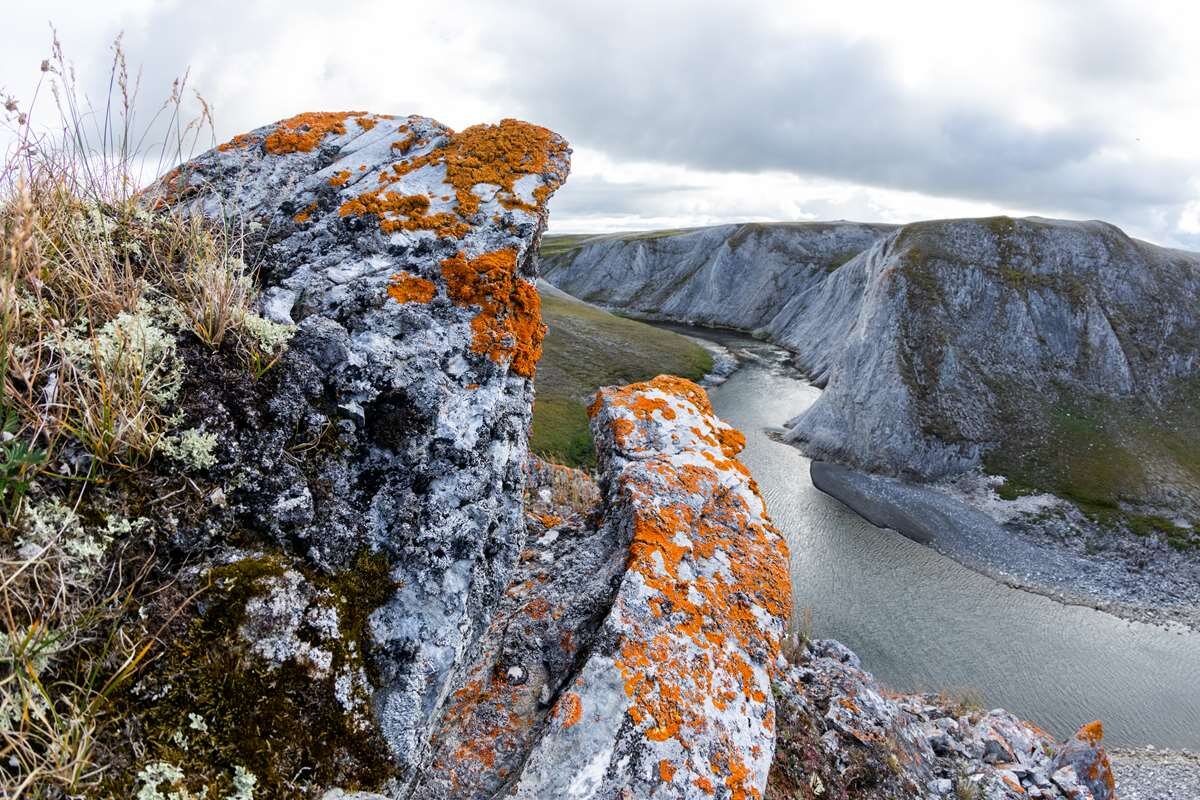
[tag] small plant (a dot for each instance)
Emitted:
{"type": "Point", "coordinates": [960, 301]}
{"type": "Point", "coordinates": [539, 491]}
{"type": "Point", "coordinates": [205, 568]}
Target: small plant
{"type": "Point", "coordinates": [798, 634]}
{"type": "Point", "coordinates": [19, 463]}
{"type": "Point", "coordinates": [121, 381]}
{"type": "Point", "coordinates": [965, 786]}
{"type": "Point", "coordinates": [263, 342]}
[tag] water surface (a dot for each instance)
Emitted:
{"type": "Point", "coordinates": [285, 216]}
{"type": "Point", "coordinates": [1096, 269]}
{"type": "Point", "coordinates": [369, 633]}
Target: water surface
{"type": "Point", "coordinates": [919, 621]}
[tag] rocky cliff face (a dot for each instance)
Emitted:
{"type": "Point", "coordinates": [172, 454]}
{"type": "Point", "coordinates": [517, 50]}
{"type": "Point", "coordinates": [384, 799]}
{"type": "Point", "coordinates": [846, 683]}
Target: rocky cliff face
{"type": "Point", "coordinates": [964, 331]}
{"type": "Point", "coordinates": [938, 343]}
{"type": "Point", "coordinates": [737, 276]}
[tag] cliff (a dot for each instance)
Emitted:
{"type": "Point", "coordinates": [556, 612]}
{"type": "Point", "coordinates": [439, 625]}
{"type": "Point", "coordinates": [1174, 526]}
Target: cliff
{"type": "Point", "coordinates": [736, 276]}
{"type": "Point", "coordinates": [1061, 355]}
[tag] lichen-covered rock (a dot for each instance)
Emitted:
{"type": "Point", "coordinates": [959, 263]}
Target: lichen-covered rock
{"type": "Point", "coordinates": [674, 699]}
{"type": "Point", "coordinates": [405, 254]}
{"type": "Point", "coordinates": [1083, 761]}
{"type": "Point", "coordinates": [841, 736]}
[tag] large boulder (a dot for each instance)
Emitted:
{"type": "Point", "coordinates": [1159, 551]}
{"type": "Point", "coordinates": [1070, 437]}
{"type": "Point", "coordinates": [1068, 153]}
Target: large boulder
{"type": "Point", "coordinates": [405, 255]}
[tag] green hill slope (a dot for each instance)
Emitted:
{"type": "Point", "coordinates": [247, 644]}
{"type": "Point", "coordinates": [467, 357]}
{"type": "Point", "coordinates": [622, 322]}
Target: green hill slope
{"type": "Point", "coordinates": [586, 348]}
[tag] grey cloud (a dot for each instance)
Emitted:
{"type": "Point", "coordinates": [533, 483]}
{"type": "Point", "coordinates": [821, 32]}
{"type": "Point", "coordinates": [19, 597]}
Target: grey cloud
{"type": "Point", "coordinates": [724, 90]}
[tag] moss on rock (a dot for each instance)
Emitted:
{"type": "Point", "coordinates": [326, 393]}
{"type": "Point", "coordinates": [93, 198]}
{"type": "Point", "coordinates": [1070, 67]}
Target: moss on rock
{"type": "Point", "coordinates": [282, 722]}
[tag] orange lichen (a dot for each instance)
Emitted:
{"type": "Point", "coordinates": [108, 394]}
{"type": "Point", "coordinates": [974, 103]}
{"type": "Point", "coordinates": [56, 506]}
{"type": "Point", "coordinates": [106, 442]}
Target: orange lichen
{"type": "Point", "coordinates": [499, 155]}
{"type": "Point", "coordinates": [1012, 783]}
{"type": "Point", "coordinates": [713, 565]}
{"type": "Point", "coordinates": [340, 178]}
{"type": "Point", "coordinates": [1092, 733]}
{"type": "Point", "coordinates": [666, 771]}
{"type": "Point", "coordinates": [239, 142]}
{"type": "Point", "coordinates": [304, 215]}
{"type": "Point", "coordinates": [402, 146]}
{"type": "Point", "coordinates": [496, 155]}
{"type": "Point", "coordinates": [406, 288]}
{"type": "Point", "coordinates": [403, 212]}
{"type": "Point", "coordinates": [571, 709]}
{"type": "Point", "coordinates": [303, 132]}
{"type": "Point", "coordinates": [509, 322]}
{"type": "Point", "coordinates": [537, 608]}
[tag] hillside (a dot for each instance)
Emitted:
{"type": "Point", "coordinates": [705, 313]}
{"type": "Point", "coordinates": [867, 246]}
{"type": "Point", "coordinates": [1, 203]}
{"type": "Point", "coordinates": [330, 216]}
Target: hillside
{"type": "Point", "coordinates": [586, 348]}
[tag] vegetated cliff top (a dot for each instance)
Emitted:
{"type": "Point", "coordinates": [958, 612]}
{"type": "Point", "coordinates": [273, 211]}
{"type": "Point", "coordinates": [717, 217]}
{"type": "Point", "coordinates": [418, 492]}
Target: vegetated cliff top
{"type": "Point", "coordinates": [586, 348]}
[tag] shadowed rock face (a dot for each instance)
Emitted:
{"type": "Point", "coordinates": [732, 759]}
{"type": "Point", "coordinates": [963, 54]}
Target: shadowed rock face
{"type": "Point", "coordinates": [405, 255]}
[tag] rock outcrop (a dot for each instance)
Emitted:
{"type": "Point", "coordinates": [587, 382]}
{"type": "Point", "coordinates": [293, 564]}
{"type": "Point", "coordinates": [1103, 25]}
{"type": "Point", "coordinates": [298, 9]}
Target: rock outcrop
{"type": "Point", "coordinates": [633, 656]}
{"type": "Point", "coordinates": [405, 254]}
{"type": "Point", "coordinates": [842, 736]}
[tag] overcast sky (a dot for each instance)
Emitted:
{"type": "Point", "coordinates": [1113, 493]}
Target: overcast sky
{"type": "Point", "coordinates": [695, 113]}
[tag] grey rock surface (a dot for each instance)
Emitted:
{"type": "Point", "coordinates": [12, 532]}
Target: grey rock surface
{"type": "Point", "coordinates": [405, 254]}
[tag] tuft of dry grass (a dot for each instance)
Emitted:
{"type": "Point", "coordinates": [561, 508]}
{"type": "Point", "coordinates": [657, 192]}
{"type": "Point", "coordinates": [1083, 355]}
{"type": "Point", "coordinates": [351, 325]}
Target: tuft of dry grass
{"type": "Point", "coordinates": [98, 292]}
{"type": "Point", "coordinates": [798, 634]}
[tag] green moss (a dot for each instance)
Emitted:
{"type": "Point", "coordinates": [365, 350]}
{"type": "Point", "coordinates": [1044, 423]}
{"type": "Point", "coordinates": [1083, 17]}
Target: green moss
{"type": "Point", "coordinates": [840, 259]}
{"type": "Point", "coordinates": [586, 348]}
{"type": "Point", "coordinates": [1105, 456]}
{"type": "Point", "coordinates": [280, 722]}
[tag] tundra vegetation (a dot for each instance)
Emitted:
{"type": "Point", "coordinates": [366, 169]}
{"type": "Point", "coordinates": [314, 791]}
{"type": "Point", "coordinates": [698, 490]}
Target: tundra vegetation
{"type": "Point", "coordinates": [107, 304]}
{"type": "Point", "coordinates": [585, 348]}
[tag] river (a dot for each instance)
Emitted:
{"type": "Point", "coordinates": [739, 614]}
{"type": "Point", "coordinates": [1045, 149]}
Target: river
{"type": "Point", "coordinates": [922, 622]}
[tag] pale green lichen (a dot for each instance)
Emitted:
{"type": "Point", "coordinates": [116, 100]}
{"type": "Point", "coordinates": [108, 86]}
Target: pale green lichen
{"type": "Point", "coordinates": [153, 776]}
{"type": "Point", "coordinates": [50, 525]}
{"type": "Point", "coordinates": [243, 784]}
{"type": "Point", "coordinates": [193, 448]}
{"type": "Point", "coordinates": [264, 341]}
{"type": "Point", "coordinates": [162, 780]}
{"type": "Point", "coordinates": [134, 348]}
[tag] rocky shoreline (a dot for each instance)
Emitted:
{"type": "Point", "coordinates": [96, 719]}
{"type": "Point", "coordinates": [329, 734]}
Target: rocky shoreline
{"type": "Point", "coordinates": [1150, 774]}
{"type": "Point", "coordinates": [1034, 546]}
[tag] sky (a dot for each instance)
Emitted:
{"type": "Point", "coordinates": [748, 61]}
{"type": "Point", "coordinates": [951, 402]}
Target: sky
{"type": "Point", "coordinates": [695, 113]}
